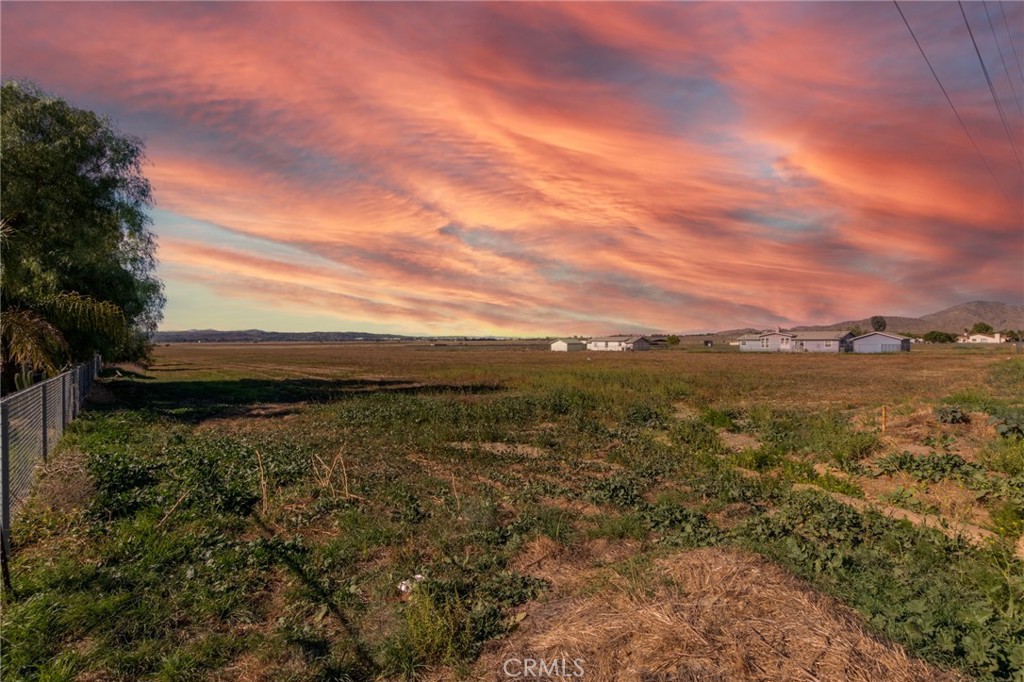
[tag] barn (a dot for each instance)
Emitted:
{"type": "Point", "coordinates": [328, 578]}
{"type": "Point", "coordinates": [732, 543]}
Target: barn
{"type": "Point", "coordinates": [879, 342]}
{"type": "Point", "coordinates": [566, 345]}
{"type": "Point", "coordinates": [619, 343]}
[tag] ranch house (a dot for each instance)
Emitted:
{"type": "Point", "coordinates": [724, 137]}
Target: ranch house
{"type": "Point", "coordinates": [796, 342]}
{"type": "Point", "coordinates": [619, 343]}
{"type": "Point", "coordinates": [980, 338]}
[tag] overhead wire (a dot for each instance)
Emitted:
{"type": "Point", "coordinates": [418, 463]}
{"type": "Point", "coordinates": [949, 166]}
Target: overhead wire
{"type": "Point", "coordinates": [999, 48]}
{"type": "Point", "coordinates": [948, 99]}
{"type": "Point", "coordinates": [1009, 36]}
{"type": "Point", "coordinates": [991, 88]}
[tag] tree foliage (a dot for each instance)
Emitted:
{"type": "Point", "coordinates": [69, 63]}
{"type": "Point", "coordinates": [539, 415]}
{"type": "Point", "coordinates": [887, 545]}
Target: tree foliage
{"type": "Point", "coordinates": [939, 337]}
{"type": "Point", "coordinates": [981, 328]}
{"type": "Point", "coordinates": [78, 256]}
{"type": "Point", "coordinates": [878, 323]}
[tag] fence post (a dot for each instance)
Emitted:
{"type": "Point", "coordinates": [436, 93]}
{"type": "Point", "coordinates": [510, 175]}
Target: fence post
{"type": "Point", "coordinates": [5, 477]}
{"type": "Point", "coordinates": [63, 403]}
{"type": "Point", "coordinates": [46, 423]}
{"type": "Point", "coordinates": [74, 394]}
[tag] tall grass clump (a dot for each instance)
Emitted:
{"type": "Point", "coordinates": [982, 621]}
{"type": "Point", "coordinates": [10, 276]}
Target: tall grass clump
{"type": "Point", "coordinates": [828, 435]}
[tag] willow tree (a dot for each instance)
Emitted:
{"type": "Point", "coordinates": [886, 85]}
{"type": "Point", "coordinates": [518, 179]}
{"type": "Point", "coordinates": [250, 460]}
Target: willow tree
{"type": "Point", "coordinates": [78, 257]}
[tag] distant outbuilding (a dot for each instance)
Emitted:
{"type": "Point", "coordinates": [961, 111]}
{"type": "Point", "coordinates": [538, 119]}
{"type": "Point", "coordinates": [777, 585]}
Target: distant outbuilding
{"type": "Point", "coordinates": [879, 342]}
{"type": "Point", "coordinates": [565, 345]}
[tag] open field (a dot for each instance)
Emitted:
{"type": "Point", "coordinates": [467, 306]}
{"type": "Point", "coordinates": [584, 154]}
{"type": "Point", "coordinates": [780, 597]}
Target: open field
{"type": "Point", "coordinates": [249, 512]}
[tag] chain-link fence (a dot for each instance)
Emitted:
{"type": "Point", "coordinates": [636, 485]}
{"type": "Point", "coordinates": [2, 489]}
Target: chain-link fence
{"type": "Point", "coordinates": [31, 423]}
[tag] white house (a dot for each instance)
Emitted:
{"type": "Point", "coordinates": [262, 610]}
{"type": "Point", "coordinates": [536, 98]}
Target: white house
{"type": "Point", "coordinates": [981, 338]}
{"type": "Point", "coordinates": [568, 345]}
{"type": "Point", "coordinates": [879, 342]}
{"type": "Point", "coordinates": [620, 343]}
{"type": "Point", "coordinates": [796, 342]}
{"type": "Point", "coordinates": [820, 342]}
{"type": "Point", "coordinates": [767, 342]}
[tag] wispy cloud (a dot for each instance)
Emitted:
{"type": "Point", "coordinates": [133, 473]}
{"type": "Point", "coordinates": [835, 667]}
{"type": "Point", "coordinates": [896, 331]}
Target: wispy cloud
{"type": "Point", "coordinates": [554, 168]}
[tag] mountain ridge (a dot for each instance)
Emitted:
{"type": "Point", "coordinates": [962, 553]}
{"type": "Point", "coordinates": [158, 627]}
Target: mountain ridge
{"type": "Point", "coordinates": [954, 319]}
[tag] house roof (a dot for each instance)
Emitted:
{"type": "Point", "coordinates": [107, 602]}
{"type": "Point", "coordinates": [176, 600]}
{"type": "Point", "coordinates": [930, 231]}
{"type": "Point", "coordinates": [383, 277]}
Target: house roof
{"type": "Point", "coordinates": [891, 336]}
{"type": "Point", "coordinates": [819, 336]}
{"type": "Point", "coordinates": [580, 341]}
{"type": "Point", "coordinates": [620, 339]}
{"type": "Point", "coordinates": [825, 335]}
{"type": "Point", "coordinates": [755, 337]}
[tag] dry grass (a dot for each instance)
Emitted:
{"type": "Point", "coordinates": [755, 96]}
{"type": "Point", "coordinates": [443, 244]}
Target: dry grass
{"type": "Point", "coordinates": [727, 378]}
{"type": "Point", "coordinates": [716, 615]}
{"type": "Point", "coordinates": [477, 465]}
{"type": "Point", "coordinates": [951, 528]}
{"type": "Point", "coordinates": [909, 432]}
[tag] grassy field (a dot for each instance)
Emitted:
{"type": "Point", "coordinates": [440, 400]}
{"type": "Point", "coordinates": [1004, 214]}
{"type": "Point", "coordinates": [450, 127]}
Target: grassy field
{"type": "Point", "coordinates": [262, 512]}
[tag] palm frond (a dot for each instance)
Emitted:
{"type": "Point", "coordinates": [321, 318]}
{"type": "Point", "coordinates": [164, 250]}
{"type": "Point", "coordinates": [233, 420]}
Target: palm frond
{"type": "Point", "coordinates": [30, 339]}
{"type": "Point", "coordinates": [73, 310]}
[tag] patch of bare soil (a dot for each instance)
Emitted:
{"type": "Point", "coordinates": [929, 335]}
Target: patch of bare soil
{"type": "Point", "coordinates": [731, 515]}
{"type": "Point", "coordinates": [274, 410]}
{"type": "Point", "coordinates": [578, 507]}
{"type": "Point", "coordinates": [738, 442]}
{"type": "Point", "coordinates": [244, 418]}
{"type": "Point", "coordinates": [685, 412]}
{"type": "Point", "coordinates": [710, 614]}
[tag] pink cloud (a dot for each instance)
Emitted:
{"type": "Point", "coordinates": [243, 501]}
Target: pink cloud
{"type": "Point", "coordinates": [553, 168]}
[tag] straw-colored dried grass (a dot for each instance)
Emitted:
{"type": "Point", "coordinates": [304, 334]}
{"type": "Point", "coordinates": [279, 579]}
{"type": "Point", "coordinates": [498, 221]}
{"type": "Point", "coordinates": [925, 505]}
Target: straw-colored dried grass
{"type": "Point", "coordinates": [710, 614]}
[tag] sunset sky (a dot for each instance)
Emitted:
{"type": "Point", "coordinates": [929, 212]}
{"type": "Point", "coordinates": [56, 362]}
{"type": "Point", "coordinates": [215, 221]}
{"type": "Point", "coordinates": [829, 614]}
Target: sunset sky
{"type": "Point", "coordinates": [565, 168]}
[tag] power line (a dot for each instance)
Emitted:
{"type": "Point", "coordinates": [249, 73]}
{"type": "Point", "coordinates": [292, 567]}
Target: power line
{"type": "Point", "coordinates": [951, 105]}
{"type": "Point", "coordinates": [1001, 58]}
{"type": "Point", "coordinates": [1009, 36]}
{"type": "Point", "coordinates": [991, 88]}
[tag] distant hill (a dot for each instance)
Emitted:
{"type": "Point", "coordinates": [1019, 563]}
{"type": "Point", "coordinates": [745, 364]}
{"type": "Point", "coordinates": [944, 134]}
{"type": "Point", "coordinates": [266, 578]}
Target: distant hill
{"type": "Point", "coordinates": [260, 336]}
{"type": "Point", "coordinates": [953, 320]}
{"type": "Point", "coordinates": [999, 315]}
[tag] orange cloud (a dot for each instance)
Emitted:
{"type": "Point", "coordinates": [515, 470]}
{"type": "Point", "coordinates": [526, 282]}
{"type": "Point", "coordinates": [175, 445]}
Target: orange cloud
{"type": "Point", "coordinates": [553, 168]}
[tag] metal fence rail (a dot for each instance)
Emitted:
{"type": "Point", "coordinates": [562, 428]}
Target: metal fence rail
{"type": "Point", "coordinates": [31, 423]}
